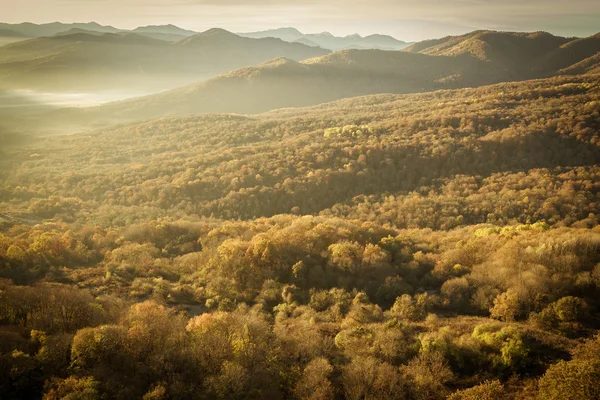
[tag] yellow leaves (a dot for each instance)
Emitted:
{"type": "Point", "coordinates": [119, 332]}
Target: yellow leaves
{"type": "Point", "coordinates": [354, 131]}
{"type": "Point", "coordinates": [231, 249]}
{"type": "Point", "coordinates": [489, 390]}
{"type": "Point", "coordinates": [355, 340]}
{"type": "Point", "coordinates": [345, 255]}
{"type": "Point", "coordinates": [483, 232]}
{"type": "Point", "coordinates": [242, 344]}
{"type": "Point", "coordinates": [16, 253]}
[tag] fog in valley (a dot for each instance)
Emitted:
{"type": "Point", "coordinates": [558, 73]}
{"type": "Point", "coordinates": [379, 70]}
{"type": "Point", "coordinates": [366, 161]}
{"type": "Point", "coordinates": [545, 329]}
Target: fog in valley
{"type": "Point", "coordinates": [30, 98]}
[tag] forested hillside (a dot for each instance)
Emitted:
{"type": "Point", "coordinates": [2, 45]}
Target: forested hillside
{"type": "Point", "coordinates": [420, 246]}
{"type": "Point", "coordinates": [450, 150]}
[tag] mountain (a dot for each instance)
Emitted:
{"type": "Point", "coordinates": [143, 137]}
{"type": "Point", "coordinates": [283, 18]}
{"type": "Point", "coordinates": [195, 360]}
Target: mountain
{"type": "Point", "coordinates": [126, 61]}
{"type": "Point", "coordinates": [477, 59]}
{"type": "Point", "coordinates": [74, 31]}
{"type": "Point", "coordinates": [307, 42]}
{"type": "Point", "coordinates": [590, 65]}
{"type": "Point", "coordinates": [8, 36]}
{"type": "Point", "coordinates": [229, 45]}
{"type": "Point", "coordinates": [328, 41]}
{"type": "Point", "coordinates": [382, 42]}
{"type": "Point", "coordinates": [38, 30]}
{"type": "Point", "coordinates": [169, 33]}
{"type": "Point", "coordinates": [164, 29]}
{"type": "Point", "coordinates": [473, 60]}
{"type": "Point", "coordinates": [168, 37]}
{"type": "Point", "coordinates": [520, 55]}
{"type": "Point", "coordinates": [5, 32]}
{"type": "Point", "coordinates": [566, 56]}
{"type": "Point", "coordinates": [287, 34]}
{"type": "Point", "coordinates": [286, 83]}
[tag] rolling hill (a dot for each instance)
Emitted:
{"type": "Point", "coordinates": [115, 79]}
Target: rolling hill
{"type": "Point", "coordinates": [124, 61]}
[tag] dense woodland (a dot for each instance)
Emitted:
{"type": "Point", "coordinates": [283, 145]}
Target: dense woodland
{"type": "Point", "coordinates": [425, 246]}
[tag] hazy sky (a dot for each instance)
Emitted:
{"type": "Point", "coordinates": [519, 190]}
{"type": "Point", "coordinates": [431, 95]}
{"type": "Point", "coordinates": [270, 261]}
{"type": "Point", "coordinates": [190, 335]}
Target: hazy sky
{"type": "Point", "coordinates": [405, 19]}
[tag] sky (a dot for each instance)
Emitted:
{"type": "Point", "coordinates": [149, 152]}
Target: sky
{"type": "Point", "coordinates": [409, 20]}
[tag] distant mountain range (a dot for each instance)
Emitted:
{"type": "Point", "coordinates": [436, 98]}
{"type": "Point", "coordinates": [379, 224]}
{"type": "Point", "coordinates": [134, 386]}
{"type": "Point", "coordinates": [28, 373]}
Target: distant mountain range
{"type": "Point", "coordinates": [89, 60]}
{"type": "Point", "coordinates": [173, 33]}
{"type": "Point", "coordinates": [477, 59]}
{"type": "Point", "coordinates": [327, 41]}
{"type": "Point", "coordinates": [28, 29]}
{"type": "Point", "coordinates": [169, 33]}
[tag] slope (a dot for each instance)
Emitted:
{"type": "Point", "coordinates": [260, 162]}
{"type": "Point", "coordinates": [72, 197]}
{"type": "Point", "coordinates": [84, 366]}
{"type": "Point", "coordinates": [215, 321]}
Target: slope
{"type": "Point", "coordinates": [518, 55]}
{"type": "Point", "coordinates": [573, 53]}
{"type": "Point", "coordinates": [286, 83]}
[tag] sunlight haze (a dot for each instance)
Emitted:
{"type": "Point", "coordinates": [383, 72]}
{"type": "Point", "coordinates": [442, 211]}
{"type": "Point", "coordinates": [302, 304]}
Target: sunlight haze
{"type": "Point", "coordinates": [406, 20]}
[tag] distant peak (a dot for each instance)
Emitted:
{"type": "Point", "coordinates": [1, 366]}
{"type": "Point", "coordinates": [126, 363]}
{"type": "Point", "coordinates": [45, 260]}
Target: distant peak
{"type": "Point", "coordinates": [378, 36]}
{"type": "Point", "coordinates": [214, 34]}
{"type": "Point", "coordinates": [217, 31]}
{"type": "Point", "coordinates": [288, 29]}
{"type": "Point", "coordinates": [153, 26]}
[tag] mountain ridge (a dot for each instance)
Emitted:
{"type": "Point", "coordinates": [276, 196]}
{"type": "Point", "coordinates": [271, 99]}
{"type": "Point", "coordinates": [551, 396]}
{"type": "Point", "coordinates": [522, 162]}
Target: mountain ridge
{"type": "Point", "coordinates": [329, 41]}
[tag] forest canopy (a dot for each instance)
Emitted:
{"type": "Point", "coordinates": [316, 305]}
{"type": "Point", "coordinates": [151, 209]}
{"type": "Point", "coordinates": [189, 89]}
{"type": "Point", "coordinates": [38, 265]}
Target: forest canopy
{"type": "Point", "coordinates": [425, 246]}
